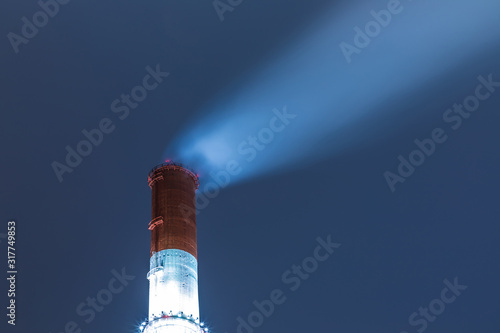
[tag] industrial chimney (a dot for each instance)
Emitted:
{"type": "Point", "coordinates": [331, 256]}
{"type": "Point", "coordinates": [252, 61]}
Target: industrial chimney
{"type": "Point", "coordinates": [173, 275]}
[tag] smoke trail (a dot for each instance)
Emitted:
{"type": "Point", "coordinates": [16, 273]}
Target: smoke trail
{"type": "Point", "coordinates": [313, 79]}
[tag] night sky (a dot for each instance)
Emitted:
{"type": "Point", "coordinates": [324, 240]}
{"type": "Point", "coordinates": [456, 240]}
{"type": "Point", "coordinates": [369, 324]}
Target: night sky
{"type": "Point", "coordinates": [414, 249]}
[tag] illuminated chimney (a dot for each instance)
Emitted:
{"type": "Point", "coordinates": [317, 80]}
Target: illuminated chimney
{"type": "Point", "coordinates": [173, 275]}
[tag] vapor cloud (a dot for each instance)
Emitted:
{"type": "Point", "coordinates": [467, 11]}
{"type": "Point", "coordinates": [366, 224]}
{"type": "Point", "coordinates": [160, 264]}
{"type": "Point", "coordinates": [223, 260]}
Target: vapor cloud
{"type": "Point", "coordinates": [333, 99]}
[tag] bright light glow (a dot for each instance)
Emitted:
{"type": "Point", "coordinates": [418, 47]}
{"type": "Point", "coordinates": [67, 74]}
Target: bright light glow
{"type": "Point", "coordinates": [173, 284]}
{"type": "Point", "coordinates": [173, 325]}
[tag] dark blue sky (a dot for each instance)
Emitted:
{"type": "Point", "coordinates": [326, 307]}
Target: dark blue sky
{"type": "Point", "coordinates": [396, 248]}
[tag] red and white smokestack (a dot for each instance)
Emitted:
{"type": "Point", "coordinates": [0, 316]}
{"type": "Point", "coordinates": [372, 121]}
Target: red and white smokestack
{"type": "Point", "coordinates": [173, 275]}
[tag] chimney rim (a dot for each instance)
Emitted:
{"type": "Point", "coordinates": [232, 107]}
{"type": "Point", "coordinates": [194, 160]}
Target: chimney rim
{"type": "Point", "coordinates": [171, 165]}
